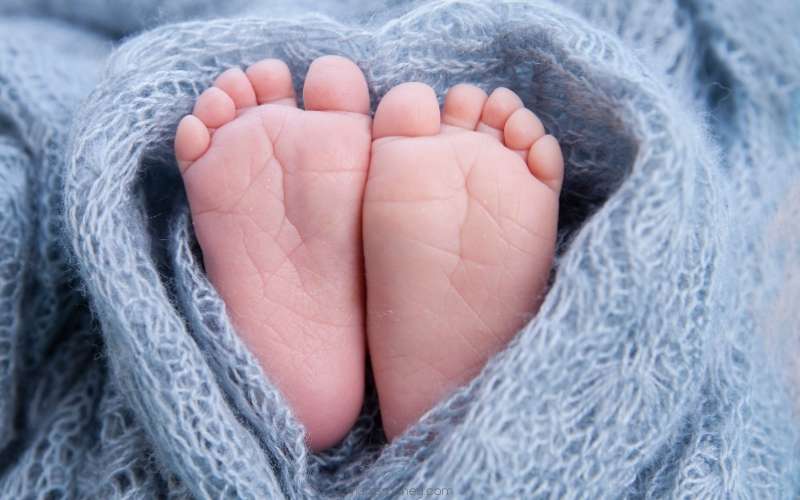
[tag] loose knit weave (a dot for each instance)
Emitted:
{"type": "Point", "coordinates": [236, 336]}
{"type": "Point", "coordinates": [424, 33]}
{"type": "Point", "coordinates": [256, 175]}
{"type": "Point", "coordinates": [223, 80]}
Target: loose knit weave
{"type": "Point", "coordinates": [656, 367]}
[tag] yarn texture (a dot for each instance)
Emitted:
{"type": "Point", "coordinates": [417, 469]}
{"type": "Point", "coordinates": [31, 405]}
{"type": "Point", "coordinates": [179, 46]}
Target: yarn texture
{"type": "Point", "coordinates": [659, 365]}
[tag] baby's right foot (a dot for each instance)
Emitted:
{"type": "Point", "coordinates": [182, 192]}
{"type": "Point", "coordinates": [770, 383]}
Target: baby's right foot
{"type": "Point", "coordinates": [276, 196]}
{"type": "Point", "coordinates": [459, 233]}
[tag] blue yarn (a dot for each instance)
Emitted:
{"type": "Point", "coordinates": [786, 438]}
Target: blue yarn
{"type": "Point", "coordinates": [662, 362]}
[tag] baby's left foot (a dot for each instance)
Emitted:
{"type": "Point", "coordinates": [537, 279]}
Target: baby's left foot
{"type": "Point", "coordinates": [460, 218]}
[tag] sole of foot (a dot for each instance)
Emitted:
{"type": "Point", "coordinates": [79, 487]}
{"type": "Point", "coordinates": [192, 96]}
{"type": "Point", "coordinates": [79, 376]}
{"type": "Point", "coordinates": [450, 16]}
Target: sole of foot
{"type": "Point", "coordinates": [460, 217]}
{"type": "Point", "coordinates": [276, 195]}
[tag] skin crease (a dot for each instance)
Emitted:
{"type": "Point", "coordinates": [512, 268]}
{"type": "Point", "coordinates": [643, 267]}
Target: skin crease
{"type": "Point", "coordinates": [435, 229]}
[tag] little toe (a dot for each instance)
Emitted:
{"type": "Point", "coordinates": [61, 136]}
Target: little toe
{"type": "Point", "coordinates": [214, 108]}
{"type": "Point", "coordinates": [271, 80]}
{"type": "Point", "coordinates": [499, 107]}
{"type": "Point", "coordinates": [522, 129]}
{"type": "Point", "coordinates": [191, 141]}
{"type": "Point", "coordinates": [410, 110]}
{"type": "Point", "coordinates": [335, 83]}
{"type": "Point", "coordinates": [546, 162]}
{"type": "Point", "coordinates": [463, 106]}
{"type": "Point", "coordinates": [235, 83]}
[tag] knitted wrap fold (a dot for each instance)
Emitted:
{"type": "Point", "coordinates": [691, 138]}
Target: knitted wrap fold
{"type": "Point", "coordinates": [658, 366]}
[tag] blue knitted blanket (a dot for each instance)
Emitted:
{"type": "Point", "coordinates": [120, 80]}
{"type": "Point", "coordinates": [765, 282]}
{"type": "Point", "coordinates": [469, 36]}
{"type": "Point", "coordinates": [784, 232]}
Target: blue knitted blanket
{"type": "Point", "coordinates": [664, 358]}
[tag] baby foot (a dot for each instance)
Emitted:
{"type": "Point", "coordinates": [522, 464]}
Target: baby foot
{"type": "Point", "coordinates": [460, 218]}
{"type": "Point", "coordinates": [276, 195]}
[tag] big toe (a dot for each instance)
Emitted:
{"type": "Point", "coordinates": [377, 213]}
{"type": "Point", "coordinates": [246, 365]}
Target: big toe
{"type": "Point", "coordinates": [410, 110]}
{"type": "Point", "coordinates": [335, 83]}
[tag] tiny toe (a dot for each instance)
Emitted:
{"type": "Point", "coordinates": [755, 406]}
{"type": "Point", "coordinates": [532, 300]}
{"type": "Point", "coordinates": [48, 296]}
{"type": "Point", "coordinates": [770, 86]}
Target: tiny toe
{"type": "Point", "coordinates": [500, 105]}
{"type": "Point", "coordinates": [546, 162]}
{"type": "Point", "coordinates": [214, 108]}
{"type": "Point", "coordinates": [335, 83]}
{"type": "Point", "coordinates": [410, 110]}
{"type": "Point", "coordinates": [463, 106]}
{"type": "Point", "coordinates": [272, 82]}
{"type": "Point", "coordinates": [522, 129]}
{"type": "Point", "coordinates": [191, 141]}
{"type": "Point", "coordinates": [235, 83]}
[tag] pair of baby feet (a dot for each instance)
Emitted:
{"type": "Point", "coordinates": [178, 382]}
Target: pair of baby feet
{"type": "Point", "coordinates": [427, 235]}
